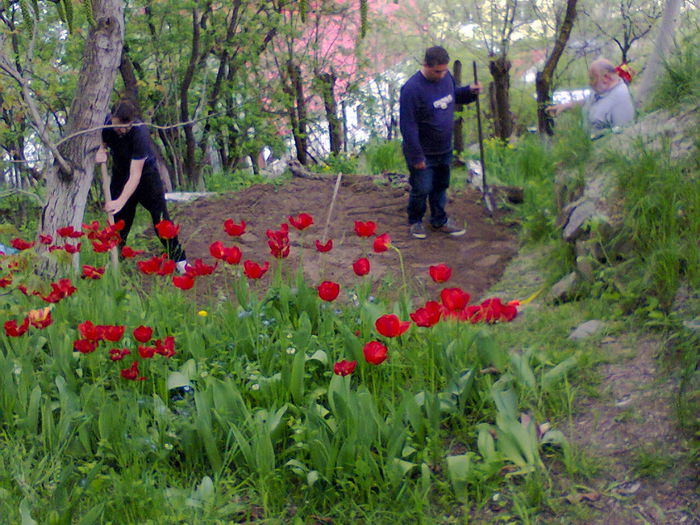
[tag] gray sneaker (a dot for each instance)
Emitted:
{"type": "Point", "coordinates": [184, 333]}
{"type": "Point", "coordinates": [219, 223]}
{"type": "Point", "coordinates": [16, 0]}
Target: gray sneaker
{"type": "Point", "coordinates": [450, 228]}
{"type": "Point", "coordinates": [417, 230]}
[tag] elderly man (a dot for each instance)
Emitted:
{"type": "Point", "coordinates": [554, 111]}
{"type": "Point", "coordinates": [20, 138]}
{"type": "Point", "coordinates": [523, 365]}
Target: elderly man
{"type": "Point", "coordinates": [609, 105]}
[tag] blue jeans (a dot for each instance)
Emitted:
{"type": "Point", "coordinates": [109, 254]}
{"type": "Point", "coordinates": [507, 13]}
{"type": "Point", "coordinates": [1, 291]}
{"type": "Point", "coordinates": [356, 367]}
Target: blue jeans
{"type": "Point", "coordinates": [429, 184]}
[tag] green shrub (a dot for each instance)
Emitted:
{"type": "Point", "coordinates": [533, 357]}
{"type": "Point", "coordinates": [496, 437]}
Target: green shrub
{"type": "Point", "coordinates": [385, 156]}
{"type": "Point", "coordinates": [220, 181]}
{"type": "Point", "coordinates": [662, 219]}
{"type": "Point", "coordinates": [337, 163]}
{"type": "Point", "coordinates": [680, 82]}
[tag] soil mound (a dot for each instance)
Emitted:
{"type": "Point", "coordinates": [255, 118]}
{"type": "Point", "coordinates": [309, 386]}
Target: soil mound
{"type": "Point", "coordinates": [477, 258]}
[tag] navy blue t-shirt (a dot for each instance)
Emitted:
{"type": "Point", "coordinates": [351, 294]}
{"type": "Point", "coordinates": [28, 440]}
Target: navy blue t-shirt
{"type": "Point", "coordinates": [427, 115]}
{"type": "Point", "coordinates": [134, 145]}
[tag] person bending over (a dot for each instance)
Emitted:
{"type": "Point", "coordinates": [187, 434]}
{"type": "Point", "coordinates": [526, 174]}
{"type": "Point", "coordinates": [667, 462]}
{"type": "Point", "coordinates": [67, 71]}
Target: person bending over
{"type": "Point", "coordinates": [135, 178]}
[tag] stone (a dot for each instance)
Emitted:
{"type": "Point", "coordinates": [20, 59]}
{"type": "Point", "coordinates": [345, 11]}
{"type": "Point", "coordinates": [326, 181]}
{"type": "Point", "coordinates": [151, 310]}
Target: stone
{"type": "Point", "coordinates": [579, 216]}
{"type": "Point", "coordinates": [586, 329]}
{"type": "Point", "coordinates": [564, 289]}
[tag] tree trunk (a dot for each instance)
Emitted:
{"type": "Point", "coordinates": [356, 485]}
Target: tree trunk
{"type": "Point", "coordinates": [664, 40]}
{"type": "Point", "coordinates": [459, 121]}
{"type": "Point", "coordinates": [190, 144]}
{"type": "Point", "coordinates": [500, 97]}
{"type": "Point", "coordinates": [543, 79]}
{"type": "Point", "coordinates": [67, 191]}
{"type": "Point", "coordinates": [344, 112]}
{"type": "Point", "coordinates": [298, 113]}
{"type": "Point", "coordinates": [334, 132]}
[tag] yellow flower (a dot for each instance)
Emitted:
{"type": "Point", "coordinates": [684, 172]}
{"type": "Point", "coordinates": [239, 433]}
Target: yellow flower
{"type": "Point", "coordinates": [202, 313]}
{"type": "Point", "coordinates": [40, 318]}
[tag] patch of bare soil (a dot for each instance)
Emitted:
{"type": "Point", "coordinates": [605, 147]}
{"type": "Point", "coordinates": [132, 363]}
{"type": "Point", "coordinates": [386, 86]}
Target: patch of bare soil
{"type": "Point", "coordinates": [477, 259]}
{"type": "Point", "coordinates": [632, 429]}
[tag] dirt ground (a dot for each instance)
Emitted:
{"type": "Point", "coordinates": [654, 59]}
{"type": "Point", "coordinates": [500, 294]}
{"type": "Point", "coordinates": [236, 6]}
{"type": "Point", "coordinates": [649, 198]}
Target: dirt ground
{"type": "Point", "coordinates": [477, 259]}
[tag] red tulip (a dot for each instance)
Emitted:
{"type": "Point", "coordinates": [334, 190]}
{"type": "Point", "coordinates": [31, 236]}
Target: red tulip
{"type": "Point", "coordinates": [427, 316]}
{"type": "Point", "coordinates": [103, 246]}
{"type": "Point", "coordinates": [90, 331]}
{"type": "Point", "coordinates": [216, 249]}
{"type": "Point", "coordinates": [328, 290]}
{"type": "Point", "coordinates": [40, 318]}
{"type": "Point", "coordinates": [440, 273]}
{"type": "Point", "coordinates": [166, 268]}
{"type": "Point", "coordinates": [375, 352]}
{"type": "Point", "coordinates": [361, 266]}
{"type": "Point", "coordinates": [199, 268]}
{"type": "Point", "coordinates": [128, 252]}
{"type": "Point", "coordinates": [45, 239]}
{"type": "Point", "coordinates": [72, 248]}
{"type": "Point", "coordinates": [143, 334]}
{"type": "Point", "coordinates": [147, 352]}
{"type": "Point", "coordinates": [84, 346]}
{"type": "Point", "coordinates": [6, 281]}
{"type": "Point", "coordinates": [473, 314]}
{"type": "Point", "coordinates": [302, 221]}
{"type": "Point", "coordinates": [323, 248]}
{"type": "Point", "coordinates": [183, 282]}
{"type": "Point", "coordinates": [12, 330]}
{"type": "Point", "coordinates": [90, 272]}
{"type": "Point", "coordinates": [390, 326]}
{"type": "Point", "coordinates": [344, 368]}
{"type": "Point", "coordinates": [63, 288]}
{"type": "Point", "coordinates": [166, 348]}
{"type": "Point", "coordinates": [365, 229]}
{"type": "Point", "coordinates": [132, 373]}
{"type": "Point", "coordinates": [230, 255]}
{"type": "Point", "coordinates": [233, 229]}
{"type": "Point", "coordinates": [454, 298]}
{"type": "Point", "coordinates": [278, 241]}
{"type": "Point", "coordinates": [382, 243]}
{"type": "Point", "coordinates": [69, 231]}
{"type": "Point", "coordinates": [21, 244]}
{"type": "Point", "coordinates": [167, 230]}
{"type": "Point", "coordinates": [156, 265]}
{"type": "Point", "coordinates": [112, 333]}
{"type": "Point", "coordinates": [253, 270]}
{"type": "Point", "coordinates": [493, 310]}
{"type": "Point", "coordinates": [117, 354]}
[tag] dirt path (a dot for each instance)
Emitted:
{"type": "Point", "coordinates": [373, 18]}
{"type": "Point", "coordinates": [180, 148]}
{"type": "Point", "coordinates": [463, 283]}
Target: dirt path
{"type": "Point", "coordinates": [627, 428]}
{"type": "Point", "coordinates": [477, 259]}
{"type": "Point", "coordinates": [632, 430]}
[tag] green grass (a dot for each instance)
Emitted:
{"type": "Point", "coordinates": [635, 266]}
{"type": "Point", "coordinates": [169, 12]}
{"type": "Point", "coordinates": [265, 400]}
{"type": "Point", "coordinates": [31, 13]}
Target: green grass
{"type": "Point", "coordinates": [679, 84]}
{"type": "Point", "coordinates": [270, 433]}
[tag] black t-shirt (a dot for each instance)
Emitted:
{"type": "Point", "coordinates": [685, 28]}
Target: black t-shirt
{"type": "Point", "coordinates": [134, 145]}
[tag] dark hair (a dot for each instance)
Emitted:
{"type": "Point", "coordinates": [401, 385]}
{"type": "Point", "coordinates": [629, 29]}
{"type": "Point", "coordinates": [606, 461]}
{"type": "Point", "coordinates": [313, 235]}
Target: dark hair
{"type": "Point", "coordinates": [435, 56]}
{"type": "Point", "coordinates": [125, 111]}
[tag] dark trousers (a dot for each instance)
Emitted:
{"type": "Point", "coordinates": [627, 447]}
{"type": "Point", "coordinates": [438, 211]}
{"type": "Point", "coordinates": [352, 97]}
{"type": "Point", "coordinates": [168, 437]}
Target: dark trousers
{"type": "Point", "coordinates": [149, 193]}
{"type": "Point", "coordinates": [429, 186]}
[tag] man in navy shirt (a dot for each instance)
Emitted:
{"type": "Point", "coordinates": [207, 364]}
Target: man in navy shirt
{"type": "Point", "coordinates": [427, 104]}
{"type": "Point", "coordinates": [135, 177]}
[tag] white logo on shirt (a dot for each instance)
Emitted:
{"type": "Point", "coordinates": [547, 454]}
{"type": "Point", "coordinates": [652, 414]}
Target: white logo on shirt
{"type": "Point", "coordinates": [443, 102]}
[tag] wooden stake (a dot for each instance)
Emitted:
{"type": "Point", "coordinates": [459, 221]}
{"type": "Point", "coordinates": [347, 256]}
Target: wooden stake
{"type": "Point", "coordinates": [330, 208]}
{"type": "Point", "coordinates": [110, 216]}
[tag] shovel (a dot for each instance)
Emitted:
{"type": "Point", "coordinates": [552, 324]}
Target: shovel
{"type": "Point", "coordinates": [110, 217]}
{"type": "Point", "coordinates": [486, 192]}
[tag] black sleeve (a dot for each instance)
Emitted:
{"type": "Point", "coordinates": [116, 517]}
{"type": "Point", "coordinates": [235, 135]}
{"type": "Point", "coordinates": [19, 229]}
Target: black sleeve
{"type": "Point", "coordinates": [464, 95]}
{"type": "Point", "coordinates": [141, 144]}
